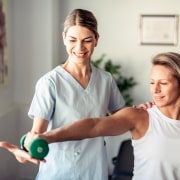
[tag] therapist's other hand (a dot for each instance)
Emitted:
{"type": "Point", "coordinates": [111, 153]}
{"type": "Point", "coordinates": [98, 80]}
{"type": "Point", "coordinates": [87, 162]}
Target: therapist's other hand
{"type": "Point", "coordinates": [144, 106]}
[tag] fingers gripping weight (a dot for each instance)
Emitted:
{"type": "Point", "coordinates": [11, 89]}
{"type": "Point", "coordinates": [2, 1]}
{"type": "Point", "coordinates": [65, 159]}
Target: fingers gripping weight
{"type": "Point", "coordinates": [38, 148]}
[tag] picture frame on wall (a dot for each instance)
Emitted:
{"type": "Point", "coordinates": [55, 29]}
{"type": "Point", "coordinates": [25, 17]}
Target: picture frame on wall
{"type": "Point", "coordinates": [158, 29]}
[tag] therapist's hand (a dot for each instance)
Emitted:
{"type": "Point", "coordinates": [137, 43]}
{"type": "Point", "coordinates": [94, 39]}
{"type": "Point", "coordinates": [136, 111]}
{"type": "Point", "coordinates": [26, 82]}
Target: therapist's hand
{"type": "Point", "coordinates": [144, 106]}
{"type": "Point", "coordinates": [21, 155]}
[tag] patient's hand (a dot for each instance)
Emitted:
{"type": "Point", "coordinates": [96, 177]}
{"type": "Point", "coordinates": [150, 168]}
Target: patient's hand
{"type": "Point", "coordinates": [21, 155]}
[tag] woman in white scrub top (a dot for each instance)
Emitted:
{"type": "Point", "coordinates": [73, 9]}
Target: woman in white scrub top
{"type": "Point", "coordinates": [72, 91]}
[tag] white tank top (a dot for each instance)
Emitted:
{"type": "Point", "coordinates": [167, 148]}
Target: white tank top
{"type": "Point", "coordinates": [157, 154]}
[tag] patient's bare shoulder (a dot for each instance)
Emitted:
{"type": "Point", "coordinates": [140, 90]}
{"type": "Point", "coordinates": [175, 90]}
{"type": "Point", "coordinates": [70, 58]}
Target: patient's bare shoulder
{"type": "Point", "coordinates": [140, 118]}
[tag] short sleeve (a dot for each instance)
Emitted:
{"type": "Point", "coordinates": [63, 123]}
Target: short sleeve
{"type": "Point", "coordinates": [43, 102]}
{"type": "Point", "coordinates": [116, 99]}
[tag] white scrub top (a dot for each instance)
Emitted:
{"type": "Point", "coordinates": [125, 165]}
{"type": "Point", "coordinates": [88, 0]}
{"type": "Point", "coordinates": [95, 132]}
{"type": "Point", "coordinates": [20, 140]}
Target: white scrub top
{"type": "Point", "coordinates": [60, 99]}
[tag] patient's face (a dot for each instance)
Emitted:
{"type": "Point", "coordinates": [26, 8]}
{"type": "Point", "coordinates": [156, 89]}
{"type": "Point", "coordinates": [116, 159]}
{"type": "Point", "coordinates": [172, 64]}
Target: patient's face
{"type": "Point", "coordinates": [164, 86]}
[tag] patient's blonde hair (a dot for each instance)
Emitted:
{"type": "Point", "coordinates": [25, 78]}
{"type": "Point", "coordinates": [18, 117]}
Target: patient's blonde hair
{"type": "Point", "coordinates": [171, 60]}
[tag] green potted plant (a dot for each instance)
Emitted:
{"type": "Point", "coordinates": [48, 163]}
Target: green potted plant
{"type": "Point", "coordinates": [124, 83]}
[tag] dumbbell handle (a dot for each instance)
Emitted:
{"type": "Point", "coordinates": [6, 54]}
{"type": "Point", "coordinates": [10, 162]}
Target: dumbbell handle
{"type": "Point", "coordinates": [38, 148]}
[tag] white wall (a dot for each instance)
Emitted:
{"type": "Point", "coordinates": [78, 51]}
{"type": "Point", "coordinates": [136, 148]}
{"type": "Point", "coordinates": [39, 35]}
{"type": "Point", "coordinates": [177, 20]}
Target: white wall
{"type": "Point", "coordinates": [36, 47]}
{"type": "Point", "coordinates": [32, 45]}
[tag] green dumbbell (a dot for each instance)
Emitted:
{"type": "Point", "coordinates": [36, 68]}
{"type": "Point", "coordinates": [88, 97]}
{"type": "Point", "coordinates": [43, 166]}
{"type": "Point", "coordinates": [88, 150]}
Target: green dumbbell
{"type": "Point", "coordinates": [38, 148]}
